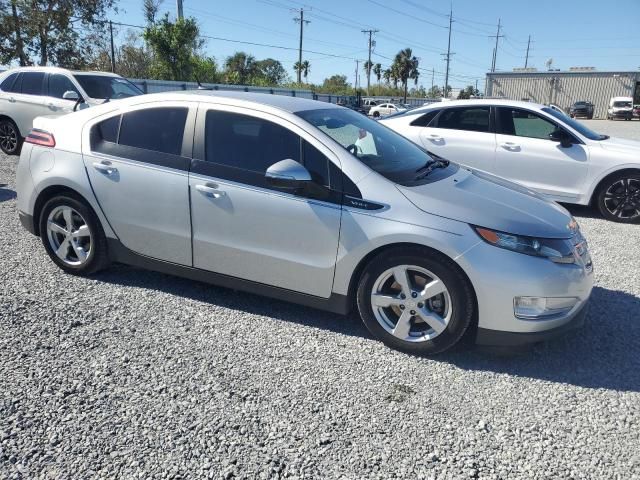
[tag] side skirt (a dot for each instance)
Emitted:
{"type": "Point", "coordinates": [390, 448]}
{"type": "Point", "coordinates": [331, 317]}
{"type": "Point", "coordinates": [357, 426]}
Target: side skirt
{"type": "Point", "coordinates": [118, 253]}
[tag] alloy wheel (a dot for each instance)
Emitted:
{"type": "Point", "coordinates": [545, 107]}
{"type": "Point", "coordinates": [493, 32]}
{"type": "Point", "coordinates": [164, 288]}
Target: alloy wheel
{"type": "Point", "coordinates": [8, 137]}
{"type": "Point", "coordinates": [411, 303]}
{"type": "Point", "coordinates": [622, 199]}
{"type": "Point", "coordinates": [69, 235]}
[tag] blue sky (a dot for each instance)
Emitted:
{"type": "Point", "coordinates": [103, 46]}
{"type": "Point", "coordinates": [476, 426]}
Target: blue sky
{"type": "Point", "coordinates": [572, 32]}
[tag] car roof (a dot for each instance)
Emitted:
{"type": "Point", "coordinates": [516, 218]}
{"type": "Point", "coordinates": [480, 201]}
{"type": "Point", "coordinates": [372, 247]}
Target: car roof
{"type": "Point", "coordinates": [57, 70]}
{"type": "Point", "coordinates": [481, 102]}
{"type": "Point", "coordinates": [281, 102]}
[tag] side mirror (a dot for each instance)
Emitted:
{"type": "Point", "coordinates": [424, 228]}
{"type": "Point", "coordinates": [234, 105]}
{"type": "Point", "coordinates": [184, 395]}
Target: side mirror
{"type": "Point", "coordinates": [561, 136]}
{"type": "Point", "coordinates": [70, 95]}
{"type": "Point", "coordinates": [288, 174]}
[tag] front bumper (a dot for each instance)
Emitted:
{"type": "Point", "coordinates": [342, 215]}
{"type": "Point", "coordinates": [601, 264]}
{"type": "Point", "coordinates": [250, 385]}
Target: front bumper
{"type": "Point", "coordinates": [625, 114]}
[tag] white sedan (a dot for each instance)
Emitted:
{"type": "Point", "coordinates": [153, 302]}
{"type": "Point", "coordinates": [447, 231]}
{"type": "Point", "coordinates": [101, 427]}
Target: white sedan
{"type": "Point", "coordinates": [387, 109]}
{"type": "Point", "coordinates": [535, 146]}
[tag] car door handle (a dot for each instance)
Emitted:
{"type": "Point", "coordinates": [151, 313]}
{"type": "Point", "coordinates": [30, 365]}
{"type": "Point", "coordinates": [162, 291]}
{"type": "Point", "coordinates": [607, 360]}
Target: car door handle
{"type": "Point", "coordinates": [51, 106]}
{"type": "Point", "coordinates": [510, 146]}
{"type": "Point", "coordinates": [210, 190]}
{"type": "Point", "coordinates": [12, 100]}
{"type": "Point", "coordinates": [433, 136]}
{"type": "Point", "coordinates": [105, 168]}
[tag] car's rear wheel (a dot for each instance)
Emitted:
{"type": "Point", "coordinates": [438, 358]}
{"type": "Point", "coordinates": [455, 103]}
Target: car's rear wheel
{"type": "Point", "coordinates": [619, 198]}
{"type": "Point", "coordinates": [10, 140]}
{"type": "Point", "coordinates": [376, 114]}
{"type": "Point", "coordinates": [72, 236]}
{"type": "Point", "coordinates": [415, 300]}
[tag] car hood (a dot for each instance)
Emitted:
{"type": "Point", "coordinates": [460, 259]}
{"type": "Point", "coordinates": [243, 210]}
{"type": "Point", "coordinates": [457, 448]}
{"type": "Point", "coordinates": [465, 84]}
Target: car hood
{"type": "Point", "coordinates": [488, 201]}
{"type": "Point", "coordinates": [621, 145]}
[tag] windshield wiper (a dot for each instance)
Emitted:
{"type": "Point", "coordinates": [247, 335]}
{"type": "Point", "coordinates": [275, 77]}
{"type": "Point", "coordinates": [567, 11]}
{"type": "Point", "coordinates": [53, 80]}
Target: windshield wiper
{"type": "Point", "coordinates": [604, 137]}
{"type": "Point", "coordinates": [430, 167]}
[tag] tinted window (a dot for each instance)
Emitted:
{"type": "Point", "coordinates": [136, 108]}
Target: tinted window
{"type": "Point", "coordinates": [475, 119]}
{"type": "Point", "coordinates": [523, 123]}
{"type": "Point", "coordinates": [107, 131]}
{"type": "Point", "coordinates": [317, 164]}
{"type": "Point", "coordinates": [579, 127]}
{"type": "Point", "coordinates": [7, 83]}
{"type": "Point", "coordinates": [425, 120]}
{"type": "Point", "coordinates": [157, 129]}
{"type": "Point", "coordinates": [246, 142]}
{"type": "Point", "coordinates": [59, 84]}
{"type": "Point", "coordinates": [32, 83]}
{"type": "Point", "coordinates": [104, 86]}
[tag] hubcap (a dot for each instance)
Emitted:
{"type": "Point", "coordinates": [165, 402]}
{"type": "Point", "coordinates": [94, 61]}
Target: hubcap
{"type": "Point", "coordinates": [622, 199]}
{"type": "Point", "coordinates": [411, 303]}
{"type": "Point", "coordinates": [69, 235]}
{"type": "Point", "coordinates": [8, 137]}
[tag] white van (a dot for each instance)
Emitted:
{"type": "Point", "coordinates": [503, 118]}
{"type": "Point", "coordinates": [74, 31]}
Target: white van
{"type": "Point", "coordinates": [620, 107]}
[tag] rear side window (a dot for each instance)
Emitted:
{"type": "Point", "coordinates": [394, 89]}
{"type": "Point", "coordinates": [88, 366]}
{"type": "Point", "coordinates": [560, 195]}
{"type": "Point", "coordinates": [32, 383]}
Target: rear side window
{"type": "Point", "coordinates": [32, 83]}
{"type": "Point", "coordinates": [474, 119]}
{"type": "Point", "coordinates": [250, 143]}
{"type": "Point", "coordinates": [59, 84]}
{"type": "Point", "coordinates": [7, 83]}
{"type": "Point", "coordinates": [107, 130]}
{"type": "Point", "coordinates": [425, 120]}
{"type": "Point", "coordinates": [157, 129]}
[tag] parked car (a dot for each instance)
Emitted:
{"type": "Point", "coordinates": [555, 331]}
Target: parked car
{"type": "Point", "coordinates": [535, 146]}
{"type": "Point", "coordinates": [28, 92]}
{"type": "Point", "coordinates": [307, 202]}
{"type": "Point", "coordinates": [582, 109]}
{"type": "Point", "coordinates": [386, 109]}
{"type": "Point", "coordinates": [636, 111]}
{"type": "Point", "coordinates": [620, 107]}
{"type": "Point", "coordinates": [368, 103]}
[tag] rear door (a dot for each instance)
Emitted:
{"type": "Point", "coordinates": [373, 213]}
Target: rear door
{"type": "Point", "coordinates": [526, 155]}
{"type": "Point", "coordinates": [464, 135]}
{"type": "Point", "coordinates": [246, 228]}
{"type": "Point", "coordinates": [57, 85]}
{"type": "Point", "coordinates": [138, 164]}
{"type": "Point", "coordinates": [28, 100]}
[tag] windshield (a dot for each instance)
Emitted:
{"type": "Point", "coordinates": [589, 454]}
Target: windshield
{"type": "Point", "coordinates": [622, 104]}
{"type": "Point", "coordinates": [377, 146]}
{"type": "Point", "coordinates": [577, 126]}
{"type": "Point", "coordinates": [580, 104]}
{"type": "Point", "coordinates": [102, 86]}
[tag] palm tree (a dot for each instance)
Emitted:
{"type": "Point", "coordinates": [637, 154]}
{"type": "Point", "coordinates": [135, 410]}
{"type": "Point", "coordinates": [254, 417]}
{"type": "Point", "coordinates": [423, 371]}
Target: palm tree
{"type": "Point", "coordinates": [367, 69]}
{"type": "Point", "coordinates": [306, 68]}
{"type": "Point", "coordinates": [387, 75]}
{"type": "Point", "coordinates": [240, 67]}
{"type": "Point", "coordinates": [377, 71]}
{"type": "Point", "coordinates": [406, 65]}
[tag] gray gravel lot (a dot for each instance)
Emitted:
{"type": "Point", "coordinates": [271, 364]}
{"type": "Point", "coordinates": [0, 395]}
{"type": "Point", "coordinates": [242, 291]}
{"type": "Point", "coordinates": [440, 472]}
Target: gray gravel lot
{"type": "Point", "coordinates": [134, 374]}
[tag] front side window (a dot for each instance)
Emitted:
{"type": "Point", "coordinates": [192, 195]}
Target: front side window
{"type": "Point", "coordinates": [523, 123]}
{"type": "Point", "coordinates": [375, 145]}
{"type": "Point", "coordinates": [474, 119]}
{"type": "Point", "coordinates": [59, 84]}
{"type": "Point", "coordinates": [32, 83]}
{"type": "Point", "coordinates": [157, 129]}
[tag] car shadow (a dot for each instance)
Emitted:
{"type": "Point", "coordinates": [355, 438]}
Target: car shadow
{"type": "Point", "coordinates": [6, 193]}
{"type": "Point", "coordinates": [584, 211]}
{"type": "Point", "coordinates": [605, 353]}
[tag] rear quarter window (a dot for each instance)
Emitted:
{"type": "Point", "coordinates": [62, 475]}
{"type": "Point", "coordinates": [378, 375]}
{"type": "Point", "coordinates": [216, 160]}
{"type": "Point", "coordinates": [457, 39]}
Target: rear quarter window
{"type": "Point", "coordinates": [8, 83]}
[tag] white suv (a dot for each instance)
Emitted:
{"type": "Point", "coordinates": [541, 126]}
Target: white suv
{"type": "Point", "coordinates": [29, 92]}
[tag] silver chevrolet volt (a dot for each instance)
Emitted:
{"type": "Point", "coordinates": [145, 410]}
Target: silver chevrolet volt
{"type": "Point", "coordinates": [306, 202]}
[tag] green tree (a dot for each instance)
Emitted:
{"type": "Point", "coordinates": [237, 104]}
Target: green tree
{"type": "Point", "coordinates": [377, 71]}
{"type": "Point", "coordinates": [150, 9]}
{"type": "Point", "coordinates": [336, 84]}
{"type": "Point", "coordinates": [175, 47]}
{"type": "Point", "coordinates": [60, 32]}
{"type": "Point", "coordinates": [269, 72]}
{"type": "Point", "coordinates": [240, 68]}
{"type": "Point", "coordinates": [406, 65]}
{"type": "Point", "coordinates": [306, 68]}
{"type": "Point", "coordinates": [434, 92]}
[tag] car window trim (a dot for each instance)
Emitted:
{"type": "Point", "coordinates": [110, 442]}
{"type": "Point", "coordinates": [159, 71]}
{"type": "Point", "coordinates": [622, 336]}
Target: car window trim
{"type": "Point", "coordinates": [499, 131]}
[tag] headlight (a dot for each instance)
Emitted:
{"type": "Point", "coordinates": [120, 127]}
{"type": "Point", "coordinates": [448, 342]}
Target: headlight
{"type": "Point", "coordinates": [556, 250]}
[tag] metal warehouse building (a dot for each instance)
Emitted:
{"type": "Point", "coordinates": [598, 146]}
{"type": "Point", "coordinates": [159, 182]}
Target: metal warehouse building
{"type": "Point", "coordinates": [563, 88]}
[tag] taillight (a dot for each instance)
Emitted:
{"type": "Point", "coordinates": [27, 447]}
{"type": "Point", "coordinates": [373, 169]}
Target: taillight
{"type": "Point", "coordinates": [40, 137]}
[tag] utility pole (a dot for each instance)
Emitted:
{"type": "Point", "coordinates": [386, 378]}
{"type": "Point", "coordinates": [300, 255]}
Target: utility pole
{"type": "Point", "coordinates": [433, 75]}
{"type": "Point", "coordinates": [495, 49]}
{"type": "Point", "coordinates": [355, 85]}
{"type": "Point", "coordinates": [179, 9]}
{"type": "Point", "coordinates": [448, 56]}
{"type": "Point", "coordinates": [526, 60]}
{"type": "Point", "coordinates": [371, 44]}
{"type": "Point", "coordinates": [113, 50]}
{"type": "Point", "coordinates": [302, 21]}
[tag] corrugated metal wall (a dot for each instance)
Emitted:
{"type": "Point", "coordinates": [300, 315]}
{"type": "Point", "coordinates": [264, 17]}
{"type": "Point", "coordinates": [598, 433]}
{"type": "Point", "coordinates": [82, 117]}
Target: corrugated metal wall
{"type": "Point", "coordinates": [564, 88]}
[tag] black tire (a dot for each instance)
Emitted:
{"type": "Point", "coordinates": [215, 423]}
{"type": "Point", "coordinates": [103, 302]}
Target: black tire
{"type": "Point", "coordinates": [98, 257]}
{"type": "Point", "coordinates": [459, 287]}
{"type": "Point", "coordinates": [606, 204]}
{"type": "Point", "coordinates": [10, 139]}
{"type": "Point", "coordinates": [376, 114]}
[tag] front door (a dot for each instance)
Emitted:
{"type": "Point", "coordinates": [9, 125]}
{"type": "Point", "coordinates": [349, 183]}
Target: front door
{"type": "Point", "coordinates": [57, 85]}
{"type": "Point", "coordinates": [525, 154]}
{"type": "Point", "coordinates": [463, 135]}
{"type": "Point", "coordinates": [245, 228]}
{"type": "Point", "coordinates": [138, 167]}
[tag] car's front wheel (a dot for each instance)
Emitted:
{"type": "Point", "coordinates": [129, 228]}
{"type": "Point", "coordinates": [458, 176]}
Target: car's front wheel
{"type": "Point", "coordinates": [415, 300]}
{"type": "Point", "coordinates": [72, 235]}
{"type": "Point", "coordinates": [10, 139]}
{"type": "Point", "coordinates": [619, 198]}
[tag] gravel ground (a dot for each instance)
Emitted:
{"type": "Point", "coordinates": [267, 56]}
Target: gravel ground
{"type": "Point", "coordinates": [134, 374]}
